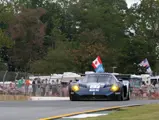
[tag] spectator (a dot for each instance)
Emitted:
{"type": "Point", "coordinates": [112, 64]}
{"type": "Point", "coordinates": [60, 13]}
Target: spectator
{"type": "Point", "coordinates": [34, 87]}
{"type": "Point", "coordinates": [20, 82]}
{"type": "Point", "coordinates": [157, 88]}
{"type": "Point", "coordinates": [54, 88]}
{"type": "Point", "coordinates": [64, 89]}
{"type": "Point", "coordinates": [47, 87]}
{"type": "Point", "coordinates": [27, 83]}
{"type": "Point", "coordinates": [38, 90]}
{"type": "Point", "coordinates": [143, 83]}
{"type": "Point", "coordinates": [147, 82]}
{"type": "Point", "coordinates": [57, 81]}
{"type": "Point", "coordinates": [11, 85]}
{"type": "Point", "coordinates": [70, 81]}
{"type": "Point", "coordinates": [43, 86]}
{"type": "Point", "coordinates": [151, 89]}
{"type": "Point", "coordinates": [143, 89]}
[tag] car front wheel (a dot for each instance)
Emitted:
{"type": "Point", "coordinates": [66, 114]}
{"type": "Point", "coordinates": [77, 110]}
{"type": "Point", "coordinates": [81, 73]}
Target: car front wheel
{"type": "Point", "coordinates": [121, 96]}
{"type": "Point", "coordinates": [73, 98]}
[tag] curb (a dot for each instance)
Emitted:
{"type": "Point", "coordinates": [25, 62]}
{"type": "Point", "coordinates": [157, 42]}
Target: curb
{"type": "Point", "coordinates": [47, 98]}
{"type": "Point", "coordinates": [89, 111]}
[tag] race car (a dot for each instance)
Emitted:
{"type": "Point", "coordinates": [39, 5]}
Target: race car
{"type": "Point", "coordinates": [99, 86]}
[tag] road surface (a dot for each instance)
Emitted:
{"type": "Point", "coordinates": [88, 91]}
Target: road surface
{"type": "Point", "coordinates": [34, 110]}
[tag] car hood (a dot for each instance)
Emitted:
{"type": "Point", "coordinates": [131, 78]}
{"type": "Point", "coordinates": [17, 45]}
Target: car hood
{"type": "Point", "coordinates": [88, 85]}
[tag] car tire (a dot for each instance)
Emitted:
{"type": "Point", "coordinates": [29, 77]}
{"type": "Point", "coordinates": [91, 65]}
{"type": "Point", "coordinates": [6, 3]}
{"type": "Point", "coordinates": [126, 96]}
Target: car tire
{"type": "Point", "coordinates": [73, 98]}
{"type": "Point", "coordinates": [128, 96]}
{"type": "Point", "coordinates": [121, 96]}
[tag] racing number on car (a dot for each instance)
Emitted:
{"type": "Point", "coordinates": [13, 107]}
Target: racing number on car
{"type": "Point", "coordinates": [94, 87]}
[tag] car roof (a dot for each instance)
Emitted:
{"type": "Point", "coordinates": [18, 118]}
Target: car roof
{"type": "Point", "coordinates": [99, 74]}
{"type": "Point", "coordinates": [103, 74]}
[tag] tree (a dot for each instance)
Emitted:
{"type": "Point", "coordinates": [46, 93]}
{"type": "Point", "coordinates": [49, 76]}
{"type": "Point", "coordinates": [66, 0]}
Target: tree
{"type": "Point", "coordinates": [6, 14]}
{"type": "Point", "coordinates": [133, 53]}
{"type": "Point", "coordinates": [56, 61]}
{"type": "Point", "coordinates": [110, 18]}
{"type": "Point", "coordinates": [28, 33]}
{"type": "Point", "coordinates": [68, 35]}
{"type": "Point", "coordinates": [142, 23]}
{"type": "Point", "coordinates": [91, 44]}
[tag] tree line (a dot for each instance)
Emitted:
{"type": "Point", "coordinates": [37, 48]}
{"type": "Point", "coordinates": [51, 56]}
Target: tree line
{"type": "Point", "coordinates": [43, 36]}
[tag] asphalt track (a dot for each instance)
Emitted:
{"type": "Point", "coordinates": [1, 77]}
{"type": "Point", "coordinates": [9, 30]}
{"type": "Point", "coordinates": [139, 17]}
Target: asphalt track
{"type": "Point", "coordinates": [34, 110]}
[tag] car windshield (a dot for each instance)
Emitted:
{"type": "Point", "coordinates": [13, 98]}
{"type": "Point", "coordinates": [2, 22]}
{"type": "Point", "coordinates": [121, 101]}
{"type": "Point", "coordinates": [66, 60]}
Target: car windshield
{"type": "Point", "coordinates": [100, 78]}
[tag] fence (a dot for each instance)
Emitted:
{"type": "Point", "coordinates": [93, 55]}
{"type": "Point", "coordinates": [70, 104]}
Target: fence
{"type": "Point", "coordinates": [146, 91]}
{"type": "Point", "coordinates": [35, 89]}
{"type": "Point", "coordinates": [11, 76]}
{"type": "Point", "coordinates": [61, 90]}
{"type": "Point", "coordinates": [53, 89]}
{"type": "Point", "coordinates": [9, 85]}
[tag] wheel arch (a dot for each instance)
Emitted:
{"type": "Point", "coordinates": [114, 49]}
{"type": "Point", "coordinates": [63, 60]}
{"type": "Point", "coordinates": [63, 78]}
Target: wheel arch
{"type": "Point", "coordinates": [125, 90]}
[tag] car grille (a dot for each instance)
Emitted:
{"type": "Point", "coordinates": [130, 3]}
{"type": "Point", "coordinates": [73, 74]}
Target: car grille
{"type": "Point", "coordinates": [94, 97]}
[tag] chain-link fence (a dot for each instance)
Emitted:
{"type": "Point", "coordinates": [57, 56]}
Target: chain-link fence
{"type": "Point", "coordinates": [7, 79]}
{"type": "Point", "coordinates": [10, 86]}
{"type": "Point", "coordinates": [40, 89]}
{"type": "Point", "coordinates": [12, 83]}
{"type": "Point", "coordinates": [61, 90]}
{"type": "Point", "coordinates": [146, 91]}
{"type": "Point", "coordinates": [12, 76]}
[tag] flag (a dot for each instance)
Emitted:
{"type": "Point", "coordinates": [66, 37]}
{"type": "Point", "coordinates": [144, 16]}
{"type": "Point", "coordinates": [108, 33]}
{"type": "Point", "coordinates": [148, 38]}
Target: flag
{"type": "Point", "coordinates": [97, 65]}
{"type": "Point", "coordinates": [146, 65]}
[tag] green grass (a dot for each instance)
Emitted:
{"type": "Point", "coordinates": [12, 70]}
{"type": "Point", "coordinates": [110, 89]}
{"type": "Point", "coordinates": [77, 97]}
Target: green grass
{"type": "Point", "coordinates": [146, 112]}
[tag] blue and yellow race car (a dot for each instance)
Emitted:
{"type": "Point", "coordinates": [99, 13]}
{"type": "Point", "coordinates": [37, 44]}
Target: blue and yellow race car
{"type": "Point", "coordinates": [99, 86]}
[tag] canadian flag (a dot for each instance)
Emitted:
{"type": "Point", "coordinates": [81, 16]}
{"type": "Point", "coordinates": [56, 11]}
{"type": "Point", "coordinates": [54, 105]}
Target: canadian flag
{"type": "Point", "coordinates": [96, 62]}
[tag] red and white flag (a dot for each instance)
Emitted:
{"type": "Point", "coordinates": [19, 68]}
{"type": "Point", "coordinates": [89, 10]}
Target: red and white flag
{"type": "Point", "coordinates": [96, 62]}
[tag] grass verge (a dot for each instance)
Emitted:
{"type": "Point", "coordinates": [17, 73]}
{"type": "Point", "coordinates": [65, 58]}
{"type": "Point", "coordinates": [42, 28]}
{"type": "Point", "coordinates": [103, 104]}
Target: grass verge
{"type": "Point", "coordinates": [146, 112]}
{"type": "Point", "coordinates": [13, 97]}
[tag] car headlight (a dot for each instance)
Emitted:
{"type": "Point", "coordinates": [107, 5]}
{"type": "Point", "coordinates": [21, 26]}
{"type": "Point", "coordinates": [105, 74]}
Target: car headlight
{"type": "Point", "coordinates": [114, 88]}
{"type": "Point", "coordinates": [75, 88]}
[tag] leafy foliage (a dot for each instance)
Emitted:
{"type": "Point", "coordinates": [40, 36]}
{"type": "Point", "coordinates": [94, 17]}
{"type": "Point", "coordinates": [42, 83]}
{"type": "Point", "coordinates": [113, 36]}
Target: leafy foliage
{"type": "Point", "coordinates": [28, 33]}
{"type": "Point", "coordinates": [42, 36]}
{"type": "Point", "coordinates": [56, 60]}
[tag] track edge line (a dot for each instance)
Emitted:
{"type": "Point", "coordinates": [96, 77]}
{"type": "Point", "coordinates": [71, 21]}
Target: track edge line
{"type": "Point", "coordinates": [89, 111]}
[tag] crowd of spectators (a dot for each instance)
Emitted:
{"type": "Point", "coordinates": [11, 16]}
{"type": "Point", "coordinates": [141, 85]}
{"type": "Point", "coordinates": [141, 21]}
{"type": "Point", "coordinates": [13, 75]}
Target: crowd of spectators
{"type": "Point", "coordinates": [146, 90]}
{"type": "Point", "coordinates": [47, 87]}
{"type": "Point", "coordinates": [37, 87]}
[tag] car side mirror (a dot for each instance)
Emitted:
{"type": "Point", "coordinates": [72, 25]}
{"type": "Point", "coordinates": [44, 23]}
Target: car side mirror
{"type": "Point", "coordinates": [76, 80]}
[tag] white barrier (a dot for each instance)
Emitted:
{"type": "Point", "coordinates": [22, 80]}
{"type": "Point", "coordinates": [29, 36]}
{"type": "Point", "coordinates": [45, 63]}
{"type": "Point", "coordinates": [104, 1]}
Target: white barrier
{"type": "Point", "coordinates": [48, 98]}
